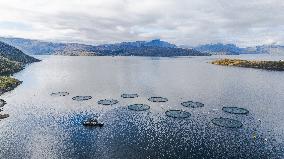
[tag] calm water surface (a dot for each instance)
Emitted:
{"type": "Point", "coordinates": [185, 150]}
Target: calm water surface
{"type": "Point", "coordinates": [44, 126]}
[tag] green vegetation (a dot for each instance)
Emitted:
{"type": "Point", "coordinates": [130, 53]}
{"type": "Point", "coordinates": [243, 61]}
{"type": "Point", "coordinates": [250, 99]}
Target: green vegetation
{"type": "Point", "coordinates": [9, 67]}
{"type": "Point", "coordinates": [8, 83]}
{"type": "Point", "coordinates": [15, 54]}
{"type": "Point", "coordinates": [267, 65]}
{"type": "Point", "coordinates": [12, 60]}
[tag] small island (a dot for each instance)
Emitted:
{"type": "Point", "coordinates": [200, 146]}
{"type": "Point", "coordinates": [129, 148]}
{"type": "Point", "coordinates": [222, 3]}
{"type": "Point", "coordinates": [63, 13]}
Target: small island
{"type": "Point", "coordinates": [267, 65]}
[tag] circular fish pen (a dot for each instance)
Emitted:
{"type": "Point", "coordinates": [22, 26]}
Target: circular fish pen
{"type": "Point", "coordinates": [59, 94]}
{"type": "Point", "coordinates": [235, 110]}
{"type": "Point", "coordinates": [107, 102]}
{"type": "Point", "coordinates": [158, 99]}
{"type": "Point", "coordinates": [3, 116]}
{"type": "Point", "coordinates": [139, 107]}
{"type": "Point", "coordinates": [82, 98]}
{"type": "Point", "coordinates": [129, 95]}
{"type": "Point", "coordinates": [2, 102]}
{"type": "Point", "coordinates": [177, 114]}
{"type": "Point", "coordinates": [227, 122]}
{"type": "Point", "coordinates": [192, 104]}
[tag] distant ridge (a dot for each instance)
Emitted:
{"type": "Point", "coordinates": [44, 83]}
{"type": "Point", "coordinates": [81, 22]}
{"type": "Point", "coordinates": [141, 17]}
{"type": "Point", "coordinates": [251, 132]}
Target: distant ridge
{"type": "Point", "coordinates": [37, 47]}
{"type": "Point", "coordinates": [226, 49]}
{"type": "Point", "coordinates": [155, 47]}
{"type": "Point", "coordinates": [232, 49]}
{"type": "Point", "coordinates": [136, 44]}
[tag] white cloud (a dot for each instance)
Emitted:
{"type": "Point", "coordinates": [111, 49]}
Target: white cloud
{"type": "Point", "coordinates": [189, 22]}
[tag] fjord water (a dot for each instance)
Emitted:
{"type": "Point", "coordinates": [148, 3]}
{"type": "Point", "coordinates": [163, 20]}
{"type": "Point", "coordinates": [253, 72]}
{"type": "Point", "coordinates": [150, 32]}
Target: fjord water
{"type": "Point", "coordinates": [44, 126]}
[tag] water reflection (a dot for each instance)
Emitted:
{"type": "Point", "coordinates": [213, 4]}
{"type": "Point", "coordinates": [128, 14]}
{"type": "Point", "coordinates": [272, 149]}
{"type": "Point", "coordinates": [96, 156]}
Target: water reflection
{"type": "Point", "coordinates": [44, 126]}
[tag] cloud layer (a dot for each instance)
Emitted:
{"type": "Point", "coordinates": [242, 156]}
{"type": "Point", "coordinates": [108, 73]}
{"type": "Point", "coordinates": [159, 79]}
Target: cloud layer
{"type": "Point", "coordinates": [189, 22]}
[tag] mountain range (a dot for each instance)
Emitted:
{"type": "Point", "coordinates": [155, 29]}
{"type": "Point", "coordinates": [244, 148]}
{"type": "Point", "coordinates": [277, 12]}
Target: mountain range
{"type": "Point", "coordinates": [232, 49]}
{"type": "Point", "coordinates": [138, 48]}
{"type": "Point", "coordinates": [226, 49]}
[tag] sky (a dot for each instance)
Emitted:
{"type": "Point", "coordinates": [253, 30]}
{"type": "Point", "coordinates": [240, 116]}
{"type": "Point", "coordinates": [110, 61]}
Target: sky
{"type": "Point", "coordinates": [183, 22]}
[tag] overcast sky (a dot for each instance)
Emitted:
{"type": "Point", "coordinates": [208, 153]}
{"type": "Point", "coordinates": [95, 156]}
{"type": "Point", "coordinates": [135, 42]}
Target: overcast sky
{"type": "Point", "coordinates": [189, 22]}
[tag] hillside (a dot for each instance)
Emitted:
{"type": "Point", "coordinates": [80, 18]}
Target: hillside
{"type": "Point", "coordinates": [224, 49]}
{"type": "Point", "coordinates": [155, 47]}
{"type": "Point", "coordinates": [152, 51]}
{"type": "Point", "coordinates": [9, 67]}
{"type": "Point", "coordinates": [12, 60]}
{"type": "Point", "coordinates": [145, 48]}
{"type": "Point", "coordinates": [32, 47]}
{"type": "Point", "coordinates": [36, 47]}
{"type": "Point", "coordinates": [13, 54]}
{"type": "Point", "coordinates": [136, 44]}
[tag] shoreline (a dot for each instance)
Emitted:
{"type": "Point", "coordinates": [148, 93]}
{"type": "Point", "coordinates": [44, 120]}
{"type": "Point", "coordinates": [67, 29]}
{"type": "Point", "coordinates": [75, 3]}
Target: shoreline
{"type": "Point", "coordinates": [8, 84]}
{"type": "Point", "coordinates": [257, 64]}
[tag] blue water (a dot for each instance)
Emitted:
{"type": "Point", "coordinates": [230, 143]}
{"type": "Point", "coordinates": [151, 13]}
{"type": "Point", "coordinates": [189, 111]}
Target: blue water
{"type": "Point", "coordinates": [44, 126]}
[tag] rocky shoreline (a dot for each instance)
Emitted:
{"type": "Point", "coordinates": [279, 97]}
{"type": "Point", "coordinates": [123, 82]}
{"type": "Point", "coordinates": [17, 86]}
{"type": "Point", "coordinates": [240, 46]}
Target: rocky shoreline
{"type": "Point", "coordinates": [266, 65]}
{"type": "Point", "coordinates": [8, 83]}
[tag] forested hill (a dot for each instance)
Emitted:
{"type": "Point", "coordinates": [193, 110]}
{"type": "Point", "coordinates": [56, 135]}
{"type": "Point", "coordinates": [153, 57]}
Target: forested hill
{"type": "Point", "coordinates": [9, 67]}
{"type": "Point", "coordinates": [13, 54]}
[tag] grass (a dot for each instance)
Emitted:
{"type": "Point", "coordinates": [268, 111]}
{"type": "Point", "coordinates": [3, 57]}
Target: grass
{"type": "Point", "coordinates": [267, 65]}
{"type": "Point", "coordinates": [8, 83]}
{"type": "Point", "coordinates": [7, 68]}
